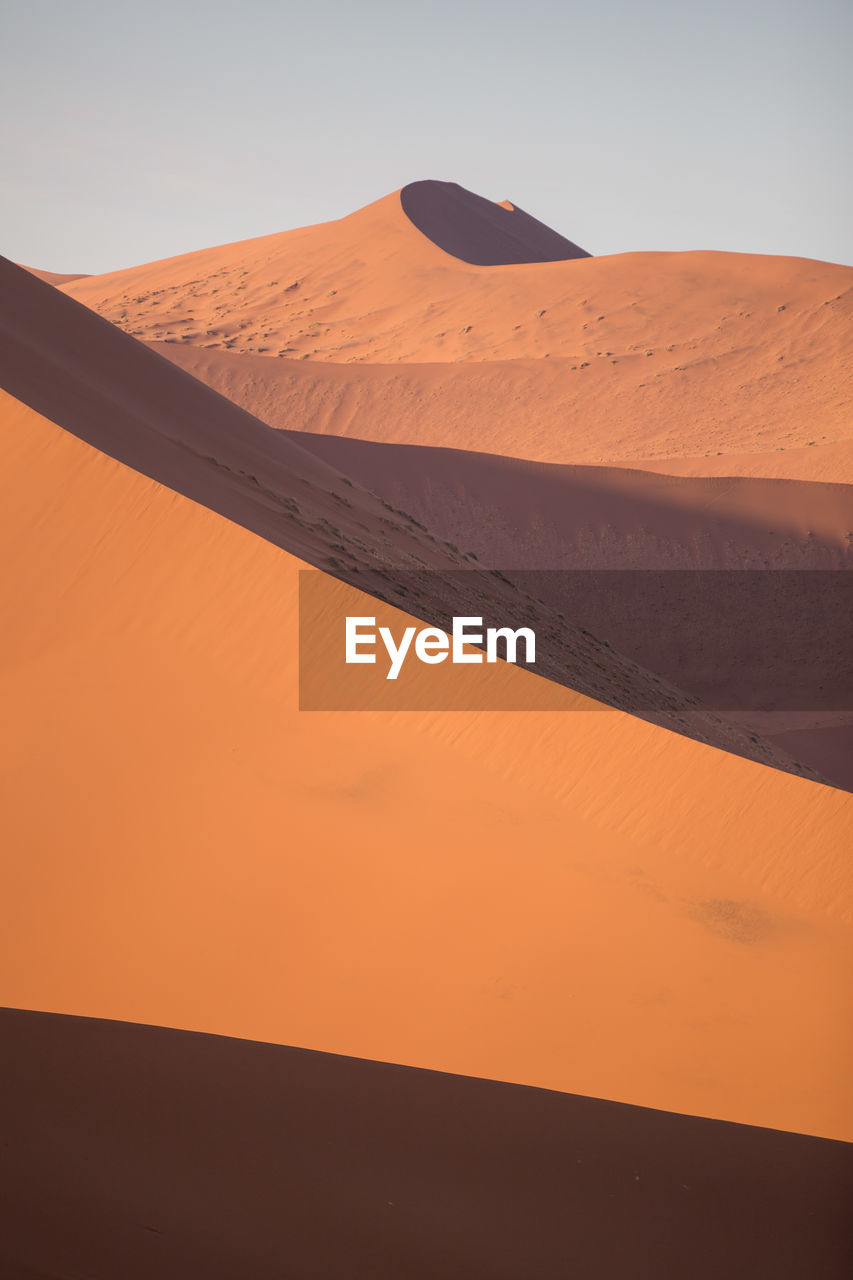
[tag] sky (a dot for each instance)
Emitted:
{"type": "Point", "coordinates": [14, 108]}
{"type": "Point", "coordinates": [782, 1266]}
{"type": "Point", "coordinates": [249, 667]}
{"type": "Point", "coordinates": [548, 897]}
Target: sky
{"type": "Point", "coordinates": [135, 131]}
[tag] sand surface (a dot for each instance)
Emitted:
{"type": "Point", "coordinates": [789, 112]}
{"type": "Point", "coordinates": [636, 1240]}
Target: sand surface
{"type": "Point", "coordinates": [288, 1162]}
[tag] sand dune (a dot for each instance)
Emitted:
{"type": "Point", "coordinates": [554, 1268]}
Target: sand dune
{"type": "Point", "coordinates": [627, 358]}
{"type": "Point", "coordinates": [714, 421]}
{"type": "Point", "coordinates": [479, 231]}
{"type": "Point", "coordinates": [214, 859]}
{"type": "Point", "coordinates": [293, 1163]}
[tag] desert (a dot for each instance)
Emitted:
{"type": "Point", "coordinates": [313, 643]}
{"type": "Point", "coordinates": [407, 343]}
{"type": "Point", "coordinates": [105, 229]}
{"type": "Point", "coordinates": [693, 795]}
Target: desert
{"type": "Point", "coordinates": [447, 971]}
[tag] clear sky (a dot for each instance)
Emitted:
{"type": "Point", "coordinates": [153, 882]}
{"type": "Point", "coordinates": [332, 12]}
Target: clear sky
{"type": "Point", "coordinates": [137, 131]}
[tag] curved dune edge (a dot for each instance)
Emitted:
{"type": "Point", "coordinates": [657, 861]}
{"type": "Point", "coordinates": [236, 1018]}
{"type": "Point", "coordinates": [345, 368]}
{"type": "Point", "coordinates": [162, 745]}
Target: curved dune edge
{"type": "Point", "coordinates": [544, 411]}
{"type": "Point", "coordinates": [55, 277]}
{"type": "Point", "coordinates": [213, 859]}
{"type": "Point", "coordinates": [482, 232]}
{"type": "Point", "coordinates": [287, 1161]}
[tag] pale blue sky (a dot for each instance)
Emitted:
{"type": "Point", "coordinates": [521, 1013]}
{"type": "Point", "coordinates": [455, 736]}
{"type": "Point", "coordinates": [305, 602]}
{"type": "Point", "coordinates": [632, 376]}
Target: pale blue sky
{"type": "Point", "coordinates": [136, 131]}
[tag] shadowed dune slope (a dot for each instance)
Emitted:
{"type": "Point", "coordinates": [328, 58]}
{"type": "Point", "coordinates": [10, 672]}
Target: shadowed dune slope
{"type": "Point", "coordinates": [284, 1162]}
{"type": "Point", "coordinates": [529, 516]}
{"type": "Point", "coordinates": [520, 514]}
{"type": "Point", "coordinates": [80, 371]}
{"type": "Point", "coordinates": [480, 231]}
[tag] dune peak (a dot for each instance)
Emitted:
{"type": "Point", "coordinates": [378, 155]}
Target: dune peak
{"type": "Point", "coordinates": [482, 232]}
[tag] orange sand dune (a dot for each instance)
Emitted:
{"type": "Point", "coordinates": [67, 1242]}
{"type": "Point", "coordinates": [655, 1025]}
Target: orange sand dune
{"type": "Point", "coordinates": [629, 357]}
{"type": "Point", "coordinates": [164, 1153]}
{"type": "Point", "coordinates": [579, 900]}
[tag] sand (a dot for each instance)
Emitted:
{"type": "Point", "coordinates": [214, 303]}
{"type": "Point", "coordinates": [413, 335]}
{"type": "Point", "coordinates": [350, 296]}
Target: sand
{"type": "Point", "coordinates": [296, 1163]}
{"type": "Point", "coordinates": [576, 900]}
{"type": "Point", "coordinates": [368, 328]}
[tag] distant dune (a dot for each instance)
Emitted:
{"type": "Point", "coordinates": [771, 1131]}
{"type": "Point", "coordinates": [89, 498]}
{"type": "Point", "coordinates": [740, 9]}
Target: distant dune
{"type": "Point", "coordinates": [479, 231]}
{"type": "Point", "coordinates": [792, 424]}
{"type": "Point", "coordinates": [370, 329]}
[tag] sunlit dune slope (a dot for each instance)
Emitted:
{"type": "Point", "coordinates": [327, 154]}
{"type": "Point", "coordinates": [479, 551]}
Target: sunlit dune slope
{"type": "Point", "coordinates": [623, 358]}
{"type": "Point", "coordinates": [830, 463]}
{"type": "Point", "coordinates": [711, 420]}
{"type": "Point", "coordinates": [621, 912]}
